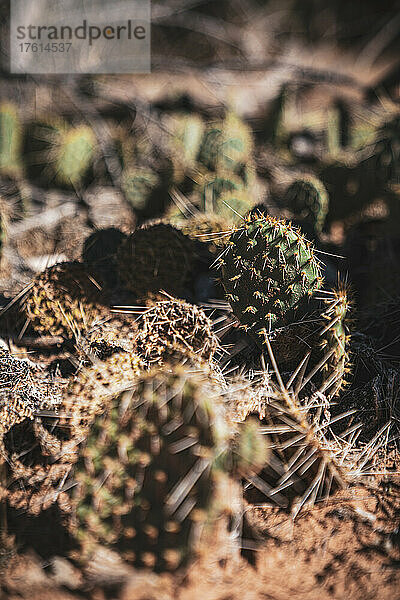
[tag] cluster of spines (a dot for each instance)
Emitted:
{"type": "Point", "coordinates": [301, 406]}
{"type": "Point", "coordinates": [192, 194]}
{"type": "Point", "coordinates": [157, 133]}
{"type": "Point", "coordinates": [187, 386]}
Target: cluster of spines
{"type": "Point", "coordinates": [268, 270]}
{"type": "Point", "coordinates": [175, 327]}
{"type": "Point", "coordinates": [302, 467]}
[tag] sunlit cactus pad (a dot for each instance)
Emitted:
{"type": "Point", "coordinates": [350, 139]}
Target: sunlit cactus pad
{"type": "Point", "coordinates": [268, 270]}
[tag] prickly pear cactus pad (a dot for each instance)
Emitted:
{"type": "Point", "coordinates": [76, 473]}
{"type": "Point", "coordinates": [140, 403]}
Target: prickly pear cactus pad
{"type": "Point", "coordinates": [57, 153]}
{"type": "Point", "coordinates": [227, 144]}
{"type": "Point", "coordinates": [89, 393]}
{"type": "Point", "coordinates": [154, 258]}
{"type": "Point", "coordinates": [10, 140]}
{"type": "Point", "coordinates": [208, 228]}
{"type": "Point", "coordinates": [139, 185]}
{"type": "Point", "coordinates": [268, 270]}
{"type": "Point", "coordinates": [171, 325]}
{"type": "Point", "coordinates": [309, 201]}
{"type": "Point", "coordinates": [335, 342]}
{"type": "Point", "coordinates": [64, 300]}
{"type": "Point", "coordinates": [144, 480]}
{"type": "Point", "coordinates": [24, 390]}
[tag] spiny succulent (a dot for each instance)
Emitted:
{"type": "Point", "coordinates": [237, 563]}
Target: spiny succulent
{"type": "Point", "coordinates": [248, 450]}
{"type": "Point", "coordinates": [141, 186]}
{"type": "Point", "coordinates": [235, 205]}
{"type": "Point", "coordinates": [173, 326]}
{"type": "Point", "coordinates": [227, 144]}
{"type": "Point", "coordinates": [335, 341]}
{"type": "Point", "coordinates": [10, 140]}
{"type": "Point", "coordinates": [99, 254]}
{"type": "Point", "coordinates": [309, 202]}
{"type": "Point", "coordinates": [91, 390]}
{"type": "Point", "coordinates": [117, 334]}
{"type": "Point", "coordinates": [38, 461]}
{"type": "Point", "coordinates": [144, 482]}
{"type": "Point", "coordinates": [208, 228]}
{"type": "Point", "coordinates": [25, 390]}
{"type": "Point", "coordinates": [211, 186]}
{"type": "Point", "coordinates": [153, 258]}
{"type": "Point", "coordinates": [64, 300]}
{"type": "Point", "coordinates": [268, 270]}
{"type": "Point", "coordinates": [186, 132]}
{"type": "Point", "coordinates": [56, 152]}
{"type": "Point", "coordinates": [302, 466]}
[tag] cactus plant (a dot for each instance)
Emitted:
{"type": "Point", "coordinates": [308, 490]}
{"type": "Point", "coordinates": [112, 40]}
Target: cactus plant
{"type": "Point", "coordinates": [90, 391]}
{"type": "Point", "coordinates": [184, 142]}
{"type": "Point", "coordinates": [309, 202]}
{"type": "Point", "coordinates": [153, 258]}
{"type": "Point", "coordinates": [171, 326]}
{"type": "Point", "coordinates": [268, 270]}
{"type": "Point", "coordinates": [157, 445]}
{"type": "Point", "coordinates": [303, 467]}
{"type": "Point", "coordinates": [235, 205]}
{"type": "Point", "coordinates": [64, 300]}
{"type": "Point", "coordinates": [335, 341]}
{"type": "Point", "coordinates": [99, 254]}
{"type": "Point", "coordinates": [10, 140]}
{"type": "Point", "coordinates": [25, 390]}
{"type": "Point", "coordinates": [141, 185]}
{"type": "Point", "coordinates": [208, 228]}
{"type": "Point", "coordinates": [210, 186]}
{"type": "Point", "coordinates": [248, 450]}
{"type": "Point", "coordinates": [56, 153]}
{"type": "Point", "coordinates": [227, 144]}
{"type": "Point", "coordinates": [223, 193]}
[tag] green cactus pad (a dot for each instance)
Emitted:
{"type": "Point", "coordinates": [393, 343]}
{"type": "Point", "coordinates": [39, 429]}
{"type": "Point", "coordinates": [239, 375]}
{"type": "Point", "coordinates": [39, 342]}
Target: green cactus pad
{"type": "Point", "coordinates": [156, 445]}
{"type": "Point", "coordinates": [268, 270]}
{"type": "Point", "coordinates": [336, 341]}
{"type": "Point", "coordinates": [309, 202]}
{"type": "Point", "coordinates": [227, 144]}
{"type": "Point", "coordinates": [64, 300]}
{"type": "Point", "coordinates": [186, 133]}
{"type": "Point", "coordinates": [10, 140]}
{"type": "Point", "coordinates": [155, 258]}
{"type": "Point", "coordinates": [56, 153]}
{"type": "Point", "coordinates": [139, 185]}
